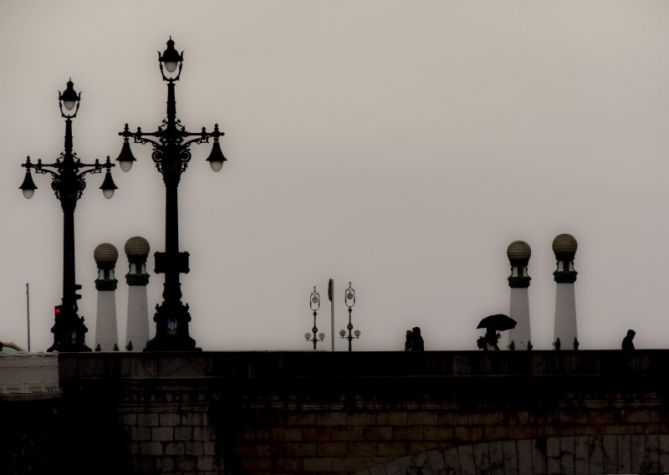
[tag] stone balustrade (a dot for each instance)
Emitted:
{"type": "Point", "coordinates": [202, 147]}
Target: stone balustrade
{"type": "Point", "coordinates": [28, 376]}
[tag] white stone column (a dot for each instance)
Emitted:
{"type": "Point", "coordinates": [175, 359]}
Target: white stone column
{"type": "Point", "coordinates": [106, 333]}
{"type": "Point", "coordinates": [519, 253]}
{"type": "Point", "coordinates": [137, 334]}
{"type": "Point", "coordinates": [564, 247]}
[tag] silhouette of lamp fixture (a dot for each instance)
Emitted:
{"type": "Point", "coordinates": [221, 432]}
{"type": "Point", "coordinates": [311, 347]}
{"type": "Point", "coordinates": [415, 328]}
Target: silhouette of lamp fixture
{"type": "Point", "coordinates": [314, 304]}
{"type": "Point", "coordinates": [171, 155]}
{"type": "Point", "coordinates": [68, 183]}
{"type": "Point", "coordinates": [349, 299]}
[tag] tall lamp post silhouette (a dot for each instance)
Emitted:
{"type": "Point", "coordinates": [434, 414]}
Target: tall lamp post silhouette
{"type": "Point", "coordinates": [314, 304]}
{"type": "Point", "coordinates": [349, 299]}
{"type": "Point", "coordinates": [67, 181]}
{"type": "Point", "coordinates": [171, 155]}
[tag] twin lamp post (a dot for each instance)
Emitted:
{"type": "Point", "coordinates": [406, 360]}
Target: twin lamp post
{"type": "Point", "coordinates": [171, 155]}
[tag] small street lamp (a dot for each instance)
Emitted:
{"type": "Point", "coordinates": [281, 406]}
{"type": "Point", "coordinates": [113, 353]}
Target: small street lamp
{"type": "Point", "coordinates": [349, 299]}
{"type": "Point", "coordinates": [314, 304]}
{"type": "Point", "coordinates": [171, 155]}
{"type": "Point", "coordinates": [67, 181]}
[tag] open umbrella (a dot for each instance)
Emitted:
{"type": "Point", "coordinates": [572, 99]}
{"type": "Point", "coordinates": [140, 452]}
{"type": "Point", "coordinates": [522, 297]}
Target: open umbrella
{"type": "Point", "coordinates": [498, 322]}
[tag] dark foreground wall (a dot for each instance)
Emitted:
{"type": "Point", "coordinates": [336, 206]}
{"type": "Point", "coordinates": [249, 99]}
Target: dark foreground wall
{"type": "Point", "coordinates": [345, 412]}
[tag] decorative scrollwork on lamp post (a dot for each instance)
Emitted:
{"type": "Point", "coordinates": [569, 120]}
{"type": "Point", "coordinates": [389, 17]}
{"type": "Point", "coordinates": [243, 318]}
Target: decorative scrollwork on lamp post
{"type": "Point", "coordinates": [349, 299]}
{"type": "Point", "coordinates": [314, 305]}
{"type": "Point", "coordinates": [68, 183]}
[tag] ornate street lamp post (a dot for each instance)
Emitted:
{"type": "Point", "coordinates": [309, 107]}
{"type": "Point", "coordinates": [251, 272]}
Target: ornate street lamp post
{"type": "Point", "coordinates": [349, 299]}
{"type": "Point", "coordinates": [67, 181]}
{"type": "Point", "coordinates": [314, 304]}
{"type": "Point", "coordinates": [171, 154]}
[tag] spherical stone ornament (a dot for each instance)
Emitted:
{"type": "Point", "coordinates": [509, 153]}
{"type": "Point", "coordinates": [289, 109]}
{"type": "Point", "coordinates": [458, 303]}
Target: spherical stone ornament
{"type": "Point", "coordinates": [137, 248]}
{"type": "Point", "coordinates": [519, 253]}
{"type": "Point", "coordinates": [105, 254]}
{"type": "Point", "coordinates": [564, 247]}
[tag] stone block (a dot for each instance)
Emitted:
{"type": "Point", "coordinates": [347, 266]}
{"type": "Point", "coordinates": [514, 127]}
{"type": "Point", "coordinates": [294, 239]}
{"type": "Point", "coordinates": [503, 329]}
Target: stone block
{"type": "Point", "coordinates": [539, 456]}
{"type": "Point", "coordinates": [436, 433]}
{"type": "Point", "coordinates": [183, 433]}
{"type": "Point", "coordinates": [651, 458]}
{"type": "Point", "coordinates": [288, 434]}
{"type": "Point", "coordinates": [209, 448]}
{"type": "Point", "coordinates": [362, 449]}
{"type": "Point", "coordinates": [553, 456]}
{"type": "Point", "coordinates": [496, 454]}
{"type": "Point", "coordinates": [194, 448]}
{"type": "Point", "coordinates": [452, 462]}
{"type": "Point", "coordinates": [192, 419]}
{"type": "Point", "coordinates": [609, 454]}
{"type": "Point", "coordinates": [205, 463]}
{"type": "Point", "coordinates": [346, 433]}
{"type": "Point", "coordinates": [333, 449]}
{"type": "Point", "coordinates": [141, 433]}
{"type": "Point", "coordinates": [316, 434]}
{"type": "Point", "coordinates": [408, 433]}
{"type": "Point", "coordinates": [301, 419]}
{"type": "Point", "coordinates": [392, 418]}
{"type": "Point", "coordinates": [394, 449]}
{"type": "Point", "coordinates": [664, 453]}
{"type": "Point", "coordinates": [169, 419]}
{"type": "Point", "coordinates": [466, 456]}
{"type": "Point", "coordinates": [308, 449]}
{"type": "Point", "coordinates": [165, 464]}
{"type": "Point", "coordinates": [175, 448]}
{"type": "Point", "coordinates": [377, 433]}
{"type": "Point", "coordinates": [202, 434]}
{"type": "Point", "coordinates": [361, 419]}
{"type": "Point", "coordinates": [399, 466]}
{"type": "Point", "coordinates": [525, 453]}
{"type": "Point", "coordinates": [452, 419]}
{"type": "Point", "coordinates": [185, 463]}
{"type": "Point", "coordinates": [435, 459]}
{"type": "Point", "coordinates": [596, 454]}
{"type": "Point", "coordinates": [567, 454]}
{"type": "Point", "coordinates": [288, 465]}
{"type": "Point", "coordinates": [625, 453]}
{"type": "Point", "coordinates": [147, 420]}
{"type": "Point", "coordinates": [129, 419]}
{"type": "Point", "coordinates": [422, 418]}
{"type": "Point", "coordinates": [151, 448]}
{"type": "Point", "coordinates": [162, 434]}
{"type": "Point", "coordinates": [481, 457]}
{"type": "Point", "coordinates": [468, 434]}
{"type": "Point", "coordinates": [418, 447]}
{"type": "Point", "coordinates": [331, 419]}
{"type": "Point", "coordinates": [581, 458]}
{"type": "Point", "coordinates": [317, 464]}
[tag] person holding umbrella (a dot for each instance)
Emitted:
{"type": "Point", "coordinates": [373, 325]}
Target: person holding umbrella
{"type": "Point", "coordinates": [493, 324]}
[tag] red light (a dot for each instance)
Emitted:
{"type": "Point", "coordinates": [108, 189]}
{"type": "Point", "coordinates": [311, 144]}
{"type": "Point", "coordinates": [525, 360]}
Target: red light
{"type": "Point", "coordinates": [58, 310]}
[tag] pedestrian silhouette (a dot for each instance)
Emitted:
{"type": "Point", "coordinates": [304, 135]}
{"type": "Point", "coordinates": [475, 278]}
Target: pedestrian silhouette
{"type": "Point", "coordinates": [628, 344]}
{"type": "Point", "coordinates": [408, 341]}
{"type": "Point", "coordinates": [417, 344]}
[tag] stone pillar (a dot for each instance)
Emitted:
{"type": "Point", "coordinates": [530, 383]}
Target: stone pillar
{"type": "Point", "coordinates": [519, 253]}
{"type": "Point", "coordinates": [137, 250]}
{"type": "Point", "coordinates": [564, 247]}
{"type": "Point", "coordinates": [106, 333]}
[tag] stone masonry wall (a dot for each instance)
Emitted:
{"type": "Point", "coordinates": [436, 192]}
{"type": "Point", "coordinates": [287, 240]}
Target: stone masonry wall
{"type": "Point", "coordinates": [344, 412]}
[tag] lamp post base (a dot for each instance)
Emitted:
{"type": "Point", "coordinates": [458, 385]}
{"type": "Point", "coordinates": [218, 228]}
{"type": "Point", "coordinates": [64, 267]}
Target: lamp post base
{"type": "Point", "coordinates": [171, 319]}
{"type": "Point", "coordinates": [171, 343]}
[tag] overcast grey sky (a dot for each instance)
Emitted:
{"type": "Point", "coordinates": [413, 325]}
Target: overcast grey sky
{"type": "Point", "coordinates": [399, 145]}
